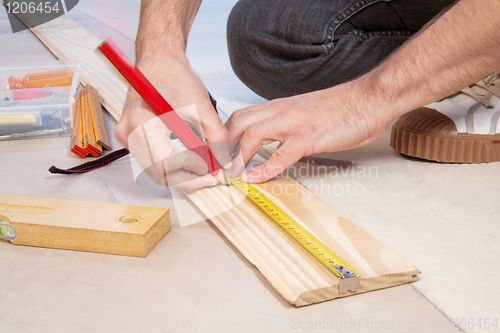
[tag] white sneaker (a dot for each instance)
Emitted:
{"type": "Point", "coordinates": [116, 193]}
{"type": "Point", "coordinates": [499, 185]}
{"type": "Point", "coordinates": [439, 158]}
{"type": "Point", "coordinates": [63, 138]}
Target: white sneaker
{"type": "Point", "coordinates": [462, 128]}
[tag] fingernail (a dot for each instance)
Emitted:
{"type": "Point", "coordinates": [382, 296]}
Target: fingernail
{"type": "Point", "coordinates": [228, 166]}
{"type": "Point", "coordinates": [201, 171]}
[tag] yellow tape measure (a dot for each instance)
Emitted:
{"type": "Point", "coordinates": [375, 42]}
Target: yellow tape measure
{"type": "Point", "coordinates": [349, 277]}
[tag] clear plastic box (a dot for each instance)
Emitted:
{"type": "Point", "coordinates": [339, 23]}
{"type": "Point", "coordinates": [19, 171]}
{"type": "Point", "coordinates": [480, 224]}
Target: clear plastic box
{"type": "Point", "coordinates": [30, 108]}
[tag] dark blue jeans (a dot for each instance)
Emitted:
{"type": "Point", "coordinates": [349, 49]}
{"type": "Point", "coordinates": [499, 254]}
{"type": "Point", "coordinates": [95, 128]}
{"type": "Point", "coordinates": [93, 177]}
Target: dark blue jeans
{"type": "Point", "coordinates": [282, 48]}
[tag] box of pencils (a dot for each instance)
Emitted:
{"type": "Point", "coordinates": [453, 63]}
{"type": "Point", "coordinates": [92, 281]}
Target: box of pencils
{"type": "Point", "coordinates": [90, 136]}
{"type": "Point", "coordinates": [36, 99]}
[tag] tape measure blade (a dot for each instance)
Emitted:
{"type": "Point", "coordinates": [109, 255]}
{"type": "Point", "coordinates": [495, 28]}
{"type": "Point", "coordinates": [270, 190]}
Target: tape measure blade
{"type": "Point", "coordinates": [309, 242]}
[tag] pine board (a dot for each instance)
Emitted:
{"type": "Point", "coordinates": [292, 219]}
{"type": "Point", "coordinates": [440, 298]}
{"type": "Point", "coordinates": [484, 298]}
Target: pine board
{"type": "Point", "coordinates": [293, 272]}
{"type": "Point", "coordinates": [85, 226]}
{"type": "Point", "coordinates": [290, 269]}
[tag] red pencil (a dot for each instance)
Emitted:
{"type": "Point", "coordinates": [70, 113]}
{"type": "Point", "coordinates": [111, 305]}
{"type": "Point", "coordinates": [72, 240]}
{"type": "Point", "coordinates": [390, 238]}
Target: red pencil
{"type": "Point", "coordinates": [167, 114]}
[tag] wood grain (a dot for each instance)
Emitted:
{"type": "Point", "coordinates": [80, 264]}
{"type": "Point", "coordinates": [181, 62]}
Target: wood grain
{"type": "Point", "coordinates": [85, 226]}
{"type": "Point", "coordinates": [290, 269]}
{"type": "Point", "coordinates": [69, 41]}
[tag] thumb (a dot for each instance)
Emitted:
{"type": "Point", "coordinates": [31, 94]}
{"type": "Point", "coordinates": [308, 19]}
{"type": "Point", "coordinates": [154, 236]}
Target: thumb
{"type": "Point", "coordinates": [289, 153]}
{"type": "Point", "coordinates": [217, 138]}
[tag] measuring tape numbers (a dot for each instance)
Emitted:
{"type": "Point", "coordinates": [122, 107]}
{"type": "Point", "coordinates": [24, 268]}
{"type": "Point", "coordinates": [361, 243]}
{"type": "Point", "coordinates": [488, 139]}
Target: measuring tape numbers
{"type": "Point", "coordinates": [348, 276]}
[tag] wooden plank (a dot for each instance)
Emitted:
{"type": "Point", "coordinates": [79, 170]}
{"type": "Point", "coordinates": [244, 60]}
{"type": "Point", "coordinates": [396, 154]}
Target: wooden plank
{"type": "Point", "coordinates": [290, 269]}
{"type": "Point", "coordinates": [85, 226]}
{"type": "Point", "coordinates": [293, 272]}
{"type": "Point", "coordinates": [69, 41]}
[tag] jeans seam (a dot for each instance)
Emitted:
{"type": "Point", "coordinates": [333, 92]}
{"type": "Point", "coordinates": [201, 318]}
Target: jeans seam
{"type": "Point", "coordinates": [366, 35]}
{"type": "Point", "coordinates": [343, 17]}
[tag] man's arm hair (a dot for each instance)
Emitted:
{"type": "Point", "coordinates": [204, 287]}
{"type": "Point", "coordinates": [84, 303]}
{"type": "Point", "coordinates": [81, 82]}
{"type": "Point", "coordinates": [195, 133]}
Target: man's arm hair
{"type": "Point", "coordinates": [164, 28]}
{"type": "Point", "coordinates": [459, 48]}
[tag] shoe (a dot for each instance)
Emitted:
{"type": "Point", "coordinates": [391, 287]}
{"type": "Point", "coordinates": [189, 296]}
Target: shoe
{"type": "Point", "coordinates": [461, 128]}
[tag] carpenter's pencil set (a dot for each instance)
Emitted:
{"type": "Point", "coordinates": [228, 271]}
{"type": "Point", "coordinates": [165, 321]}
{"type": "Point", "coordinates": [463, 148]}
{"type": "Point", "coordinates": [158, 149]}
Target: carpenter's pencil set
{"type": "Point", "coordinates": [89, 131]}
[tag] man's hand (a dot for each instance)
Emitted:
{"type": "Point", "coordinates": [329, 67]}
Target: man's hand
{"type": "Point", "coordinates": [459, 48]}
{"type": "Point", "coordinates": [150, 142]}
{"type": "Point", "coordinates": [161, 55]}
{"type": "Point", "coordinates": [327, 120]}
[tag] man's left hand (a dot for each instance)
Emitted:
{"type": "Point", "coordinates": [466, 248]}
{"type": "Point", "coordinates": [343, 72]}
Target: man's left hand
{"type": "Point", "coordinates": [334, 119]}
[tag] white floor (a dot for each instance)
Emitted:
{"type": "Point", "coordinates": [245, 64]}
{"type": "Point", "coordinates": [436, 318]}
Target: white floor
{"type": "Point", "coordinates": [442, 218]}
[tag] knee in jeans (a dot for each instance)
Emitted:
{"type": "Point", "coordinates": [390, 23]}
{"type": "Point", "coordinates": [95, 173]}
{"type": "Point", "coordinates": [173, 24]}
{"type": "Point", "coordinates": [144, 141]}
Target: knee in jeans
{"type": "Point", "coordinates": [242, 24]}
{"type": "Point", "coordinates": [272, 51]}
{"type": "Point", "coordinates": [251, 45]}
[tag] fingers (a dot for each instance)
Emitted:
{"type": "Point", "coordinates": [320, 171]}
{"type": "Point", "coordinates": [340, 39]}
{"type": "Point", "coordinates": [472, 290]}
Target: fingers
{"type": "Point", "coordinates": [241, 119]}
{"type": "Point", "coordinates": [238, 164]}
{"type": "Point", "coordinates": [217, 138]}
{"type": "Point", "coordinates": [251, 128]}
{"type": "Point", "coordinates": [188, 180]}
{"type": "Point", "coordinates": [149, 149]}
{"type": "Point", "coordinates": [255, 126]}
{"type": "Point", "coordinates": [259, 133]}
{"type": "Point", "coordinates": [181, 169]}
{"type": "Point", "coordinates": [150, 142]}
{"type": "Point", "coordinates": [152, 148]}
{"type": "Point", "coordinates": [211, 129]}
{"type": "Point", "coordinates": [185, 160]}
{"type": "Point", "coordinates": [222, 152]}
{"type": "Point", "coordinates": [218, 143]}
{"type": "Point", "coordinates": [151, 178]}
{"type": "Point", "coordinates": [289, 153]}
{"type": "Point", "coordinates": [278, 102]}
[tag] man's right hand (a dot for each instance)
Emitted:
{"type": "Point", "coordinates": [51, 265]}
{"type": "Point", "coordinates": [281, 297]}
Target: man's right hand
{"type": "Point", "coordinates": [148, 139]}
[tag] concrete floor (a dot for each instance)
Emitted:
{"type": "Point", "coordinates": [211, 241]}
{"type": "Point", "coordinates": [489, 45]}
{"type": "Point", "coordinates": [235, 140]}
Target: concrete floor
{"type": "Point", "coordinates": [440, 217]}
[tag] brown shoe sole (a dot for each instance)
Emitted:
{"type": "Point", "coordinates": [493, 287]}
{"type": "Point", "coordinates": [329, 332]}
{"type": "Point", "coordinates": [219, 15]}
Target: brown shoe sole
{"type": "Point", "coordinates": [428, 134]}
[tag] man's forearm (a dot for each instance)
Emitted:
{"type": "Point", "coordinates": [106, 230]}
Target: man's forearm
{"type": "Point", "coordinates": [458, 49]}
{"type": "Point", "coordinates": [164, 29]}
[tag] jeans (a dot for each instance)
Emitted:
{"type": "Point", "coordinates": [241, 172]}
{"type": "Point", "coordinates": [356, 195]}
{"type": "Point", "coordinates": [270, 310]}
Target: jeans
{"type": "Point", "coordinates": [281, 48]}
